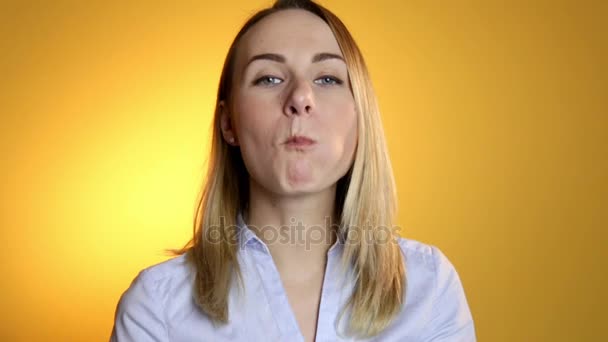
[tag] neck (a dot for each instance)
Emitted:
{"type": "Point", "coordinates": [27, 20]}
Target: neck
{"type": "Point", "coordinates": [297, 230]}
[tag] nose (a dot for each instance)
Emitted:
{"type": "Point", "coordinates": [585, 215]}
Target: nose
{"type": "Point", "coordinates": [300, 99]}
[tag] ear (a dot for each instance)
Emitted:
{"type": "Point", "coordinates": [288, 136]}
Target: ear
{"type": "Point", "coordinates": [228, 131]}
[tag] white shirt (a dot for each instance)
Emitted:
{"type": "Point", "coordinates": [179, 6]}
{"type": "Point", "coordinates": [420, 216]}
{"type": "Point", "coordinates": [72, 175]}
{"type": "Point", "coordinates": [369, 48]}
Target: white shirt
{"type": "Point", "coordinates": [159, 304]}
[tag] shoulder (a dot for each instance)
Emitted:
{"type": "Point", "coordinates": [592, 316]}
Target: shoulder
{"type": "Point", "coordinates": [427, 267]}
{"type": "Point", "coordinates": [157, 281]}
{"type": "Point", "coordinates": [172, 269]}
{"type": "Point", "coordinates": [422, 256]}
{"type": "Point", "coordinates": [434, 287]}
{"type": "Point", "coordinates": [162, 277]}
{"type": "Point", "coordinates": [144, 306]}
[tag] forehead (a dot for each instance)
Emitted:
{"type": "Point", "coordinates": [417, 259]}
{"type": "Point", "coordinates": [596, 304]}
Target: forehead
{"type": "Point", "coordinates": [289, 32]}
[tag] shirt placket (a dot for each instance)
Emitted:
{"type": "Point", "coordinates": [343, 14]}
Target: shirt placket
{"type": "Point", "coordinates": [276, 296]}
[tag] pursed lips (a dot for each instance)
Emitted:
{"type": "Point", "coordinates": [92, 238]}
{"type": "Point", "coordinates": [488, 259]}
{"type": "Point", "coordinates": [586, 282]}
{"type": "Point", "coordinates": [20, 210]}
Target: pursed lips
{"type": "Point", "coordinates": [299, 141]}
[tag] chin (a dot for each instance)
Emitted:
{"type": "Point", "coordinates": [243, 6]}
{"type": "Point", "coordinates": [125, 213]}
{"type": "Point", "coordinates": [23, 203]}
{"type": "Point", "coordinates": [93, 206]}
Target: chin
{"type": "Point", "coordinates": [300, 189]}
{"type": "Point", "coordinates": [308, 187]}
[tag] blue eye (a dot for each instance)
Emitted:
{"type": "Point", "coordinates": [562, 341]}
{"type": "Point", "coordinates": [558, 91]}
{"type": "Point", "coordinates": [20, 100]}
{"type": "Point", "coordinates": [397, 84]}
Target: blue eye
{"type": "Point", "coordinates": [268, 80]}
{"type": "Point", "coordinates": [328, 80]}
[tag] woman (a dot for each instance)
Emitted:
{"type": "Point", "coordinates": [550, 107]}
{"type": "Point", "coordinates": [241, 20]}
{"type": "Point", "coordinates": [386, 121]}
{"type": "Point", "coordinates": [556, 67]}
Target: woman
{"type": "Point", "coordinates": [292, 238]}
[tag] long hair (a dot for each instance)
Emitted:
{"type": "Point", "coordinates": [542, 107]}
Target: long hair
{"type": "Point", "coordinates": [365, 201]}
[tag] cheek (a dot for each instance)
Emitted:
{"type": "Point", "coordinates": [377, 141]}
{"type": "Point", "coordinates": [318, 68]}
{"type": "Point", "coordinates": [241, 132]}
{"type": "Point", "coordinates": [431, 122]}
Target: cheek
{"type": "Point", "coordinates": [342, 130]}
{"type": "Point", "coordinates": [255, 127]}
{"type": "Point", "coordinates": [252, 120]}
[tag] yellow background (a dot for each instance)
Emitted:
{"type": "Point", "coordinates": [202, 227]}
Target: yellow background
{"type": "Point", "coordinates": [495, 114]}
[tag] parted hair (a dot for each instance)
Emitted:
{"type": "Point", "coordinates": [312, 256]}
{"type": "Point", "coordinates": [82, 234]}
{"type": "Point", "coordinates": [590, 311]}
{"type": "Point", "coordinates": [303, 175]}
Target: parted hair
{"type": "Point", "coordinates": [365, 200]}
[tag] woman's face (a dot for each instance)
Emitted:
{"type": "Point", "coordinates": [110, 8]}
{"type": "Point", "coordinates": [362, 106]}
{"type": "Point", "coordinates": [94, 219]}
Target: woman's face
{"type": "Point", "coordinates": [291, 81]}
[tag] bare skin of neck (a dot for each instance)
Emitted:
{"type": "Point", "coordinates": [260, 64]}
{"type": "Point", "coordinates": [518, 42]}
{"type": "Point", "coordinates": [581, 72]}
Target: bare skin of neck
{"type": "Point", "coordinates": [297, 230]}
{"type": "Point", "coordinates": [298, 233]}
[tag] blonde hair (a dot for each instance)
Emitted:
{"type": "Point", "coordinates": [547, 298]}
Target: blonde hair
{"type": "Point", "coordinates": [365, 202]}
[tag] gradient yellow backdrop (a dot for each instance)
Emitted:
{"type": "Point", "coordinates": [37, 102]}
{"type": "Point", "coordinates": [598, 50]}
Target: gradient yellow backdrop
{"type": "Point", "coordinates": [495, 113]}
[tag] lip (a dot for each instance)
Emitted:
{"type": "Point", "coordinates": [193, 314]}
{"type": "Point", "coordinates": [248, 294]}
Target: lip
{"type": "Point", "coordinates": [299, 142]}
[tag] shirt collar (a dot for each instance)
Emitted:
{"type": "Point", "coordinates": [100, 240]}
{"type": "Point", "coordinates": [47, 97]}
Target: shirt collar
{"type": "Point", "coordinates": [248, 237]}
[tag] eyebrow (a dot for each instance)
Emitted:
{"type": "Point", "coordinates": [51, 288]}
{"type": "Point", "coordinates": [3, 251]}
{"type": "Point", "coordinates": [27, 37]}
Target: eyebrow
{"type": "Point", "coordinates": [319, 57]}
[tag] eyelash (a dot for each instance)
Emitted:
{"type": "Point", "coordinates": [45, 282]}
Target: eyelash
{"type": "Point", "coordinates": [262, 80]}
{"type": "Point", "coordinates": [332, 79]}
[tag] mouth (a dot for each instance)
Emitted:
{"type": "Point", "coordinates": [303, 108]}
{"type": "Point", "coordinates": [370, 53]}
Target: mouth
{"type": "Point", "coordinates": [299, 141]}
